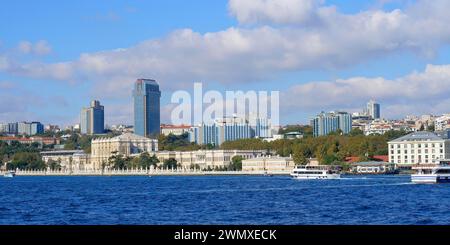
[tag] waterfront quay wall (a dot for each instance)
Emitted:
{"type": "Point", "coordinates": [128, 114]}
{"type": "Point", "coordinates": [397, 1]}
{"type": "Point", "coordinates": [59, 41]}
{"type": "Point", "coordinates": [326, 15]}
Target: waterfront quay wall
{"type": "Point", "coordinates": [139, 172]}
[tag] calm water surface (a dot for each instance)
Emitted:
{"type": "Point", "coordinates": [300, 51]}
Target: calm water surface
{"type": "Point", "coordinates": [221, 200]}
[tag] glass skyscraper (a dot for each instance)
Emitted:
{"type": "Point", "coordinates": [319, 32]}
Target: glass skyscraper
{"type": "Point", "coordinates": [30, 128]}
{"type": "Point", "coordinates": [325, 123]}
{"type": "Point", "coordinates": [146, 96]}
{"type": "Point", "coordinates": [92, 119]}
{"type": "Point", "coordinates": [229, 129]}
{"type": "Point", "coordinates": [373, 109]}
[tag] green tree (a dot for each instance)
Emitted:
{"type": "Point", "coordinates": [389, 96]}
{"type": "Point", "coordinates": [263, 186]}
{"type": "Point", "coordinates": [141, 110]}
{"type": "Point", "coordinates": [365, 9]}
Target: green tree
{"type": "Point", "coordinates": [26, 160]}
{"type": "Point", "coordinates": [170, 163]}
{"type": "Point", "coordinates": [54, 165]}
{"type": "Point", "coordinates": [236, 163]}
{"type": "Point", "coordinates": [173, 142]}
{"type": "Point", "coordinates": [146, 161]}
{"type": "Point", "coordinates": [422, 128]}
{"type": "Point", "coordinates": [356, 131]}
{"type": "Point", "coordinates": [118, 161]}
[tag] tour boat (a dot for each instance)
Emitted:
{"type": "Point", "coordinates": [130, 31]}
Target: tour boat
{"type": "Point", "coordinates": [432, 173]}
{"type": "Point", "coordinates": [9, 174]}
{"type": "Point", "coordinates": [305, 172]}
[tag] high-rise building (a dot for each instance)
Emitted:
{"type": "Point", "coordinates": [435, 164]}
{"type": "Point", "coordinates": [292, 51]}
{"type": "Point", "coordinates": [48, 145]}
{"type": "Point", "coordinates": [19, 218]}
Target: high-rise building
{"type": "Point", "coordinates": [4, 128]}
{"type": "Point", "coordinates": [146, 96]}
{"type": "Point", "coordinates": [325, 123]}
{"type": "Point", "coordinates": [373, 109]}
{"type": "Point", "coordinates": [92, 119]}
{"type": "Point", "coordinates": [229, 129]}
{"type": "Point", "coordinates": [13, 128]}
{"type": "Point", "coordinates": [30, 128]}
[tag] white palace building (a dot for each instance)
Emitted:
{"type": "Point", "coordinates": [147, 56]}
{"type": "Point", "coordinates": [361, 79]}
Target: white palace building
{"type": "Point", "coordinates": [418, 148]}
{"type": "Point", "coordinates": [126, 144]}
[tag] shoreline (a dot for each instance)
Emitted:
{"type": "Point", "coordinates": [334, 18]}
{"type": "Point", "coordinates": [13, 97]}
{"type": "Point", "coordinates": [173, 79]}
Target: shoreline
{"type": "Point", "coordinates": [168, 173]}
{"type": "Point", "coordinates": [145, 173]}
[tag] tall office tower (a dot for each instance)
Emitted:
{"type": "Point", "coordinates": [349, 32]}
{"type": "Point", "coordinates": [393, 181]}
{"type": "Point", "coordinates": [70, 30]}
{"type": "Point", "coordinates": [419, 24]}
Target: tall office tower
{"type": "Point", "coordinates": [325, 123]}
{"type": "Point", "coordinates": [229, 129]}
{"type": "Point", "coordinates": [36, 128]}
{"type": "Point", "coordinates": [30, 128]}
{"type": "Point", "coordinates": [147, 97]}
{"type": "Point", "coordinates": [373, 109]}
{"type": "Point", "coordinates": [92, 119]}
{"type": "Point", "coordinates": [13, 128]}
{"type": "Point", "coordinates": [4, 128]}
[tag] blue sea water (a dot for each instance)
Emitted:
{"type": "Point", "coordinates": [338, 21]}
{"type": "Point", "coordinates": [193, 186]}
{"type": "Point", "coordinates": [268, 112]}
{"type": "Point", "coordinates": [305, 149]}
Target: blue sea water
{"type": "Point", "coordinates": [221, 200]}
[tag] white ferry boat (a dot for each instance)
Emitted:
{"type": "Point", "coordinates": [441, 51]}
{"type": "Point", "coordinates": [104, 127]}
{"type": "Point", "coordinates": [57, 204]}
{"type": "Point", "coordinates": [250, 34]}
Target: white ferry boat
{"type": "Point", "coordinates": [432, 173]}
{"type": "Point", "coordinates": [305, 172]}
{"type": "Point", "coordinates": [9, 174]}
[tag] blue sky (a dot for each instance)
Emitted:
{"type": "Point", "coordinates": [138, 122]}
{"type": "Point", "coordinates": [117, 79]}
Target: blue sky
{"type": "Point", "coordinates": [56, 56]}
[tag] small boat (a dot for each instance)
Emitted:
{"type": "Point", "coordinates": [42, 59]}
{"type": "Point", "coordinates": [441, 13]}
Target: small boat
{"type": "Point", "coordinates": [10, 174]}
{"type": "Point", "coordinates": [307, 172]}
{"type": "Point", "coordinates": [266, 174]}
{"type": "Point", "coordinates": [432, 173]}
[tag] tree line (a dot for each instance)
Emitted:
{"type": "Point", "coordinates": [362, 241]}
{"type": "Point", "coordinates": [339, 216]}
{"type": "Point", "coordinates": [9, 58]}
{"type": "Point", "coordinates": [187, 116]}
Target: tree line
{"type": "Point", "coordinates": [330, 149]}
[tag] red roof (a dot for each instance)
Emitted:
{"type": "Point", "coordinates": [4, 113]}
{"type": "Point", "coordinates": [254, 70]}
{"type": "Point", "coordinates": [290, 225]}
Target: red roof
{"type": "Point", "coordinates": [381, 158]}
{"type": "Point", "coordinates": [352, 159]}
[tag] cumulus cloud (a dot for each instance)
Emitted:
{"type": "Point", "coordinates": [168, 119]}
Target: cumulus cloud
{"type": "Point", "coordinates": [41, 47]}
{"type": "Point", "coordinates": [277, 36]}
{"type": "Point", "coordinates": [275, 11]}
{"type": "Point", "coordinates": [260, 52]}
{"type": "Point", "coordinates": [15, 103]}
{"type": "Point", "coordinates": [418, 92]}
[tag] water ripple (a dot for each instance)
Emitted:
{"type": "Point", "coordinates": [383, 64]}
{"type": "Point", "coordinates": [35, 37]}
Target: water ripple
{"type": "Point", "coordinates": [221, 200]}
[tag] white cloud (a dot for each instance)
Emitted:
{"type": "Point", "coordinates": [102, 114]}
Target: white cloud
{"type": "Point", "coordinates": [25, 47]}
{"type": "Point", "coordinates": [283, 35]}
{"type": "Point", "coordinates": [258, 53]}
{"type": "Point", "coordinates": [418, 92]}
{"type": "Point", "coordinates": [276, 11]}
{"type": "Point", "coordinates": [41, 47]}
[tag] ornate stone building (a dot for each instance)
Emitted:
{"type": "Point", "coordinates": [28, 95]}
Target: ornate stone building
{"type": "Point", "coordinates": [207, 158]}
{"type": "Point", "coordinates": [268, 163]}
{"type": "Point", "coordinates": [68, 159]}
{"type": "Point", "coordinates": [126, 144]}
